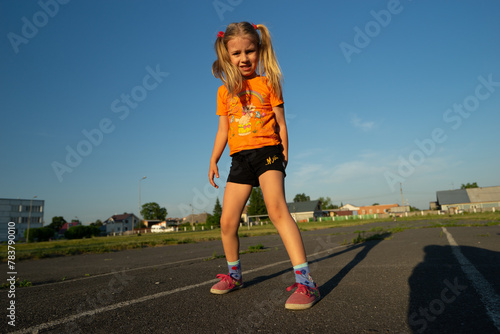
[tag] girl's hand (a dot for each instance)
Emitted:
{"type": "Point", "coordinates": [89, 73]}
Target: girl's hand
{"type": "Point", "coordinates": [214, 170]}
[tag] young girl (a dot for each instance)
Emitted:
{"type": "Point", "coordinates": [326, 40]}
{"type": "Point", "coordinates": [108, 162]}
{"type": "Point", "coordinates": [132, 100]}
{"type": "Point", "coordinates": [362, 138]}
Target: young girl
{"type": "Point", "coordinates": [252, 122]}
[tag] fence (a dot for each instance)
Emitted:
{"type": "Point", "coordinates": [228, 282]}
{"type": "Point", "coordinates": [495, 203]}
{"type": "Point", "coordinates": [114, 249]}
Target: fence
{"type": "Point", "coordinates": [342, 218]}
{"type": "Point", "coordinates": [449, 211]}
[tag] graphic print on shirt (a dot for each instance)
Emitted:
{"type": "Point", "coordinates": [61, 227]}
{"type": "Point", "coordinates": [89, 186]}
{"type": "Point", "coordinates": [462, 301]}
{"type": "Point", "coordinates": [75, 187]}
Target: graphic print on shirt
{"type": "Point", "coordinates": [245, 126]}
{"type": "Point", "coordinates": [245, 116]}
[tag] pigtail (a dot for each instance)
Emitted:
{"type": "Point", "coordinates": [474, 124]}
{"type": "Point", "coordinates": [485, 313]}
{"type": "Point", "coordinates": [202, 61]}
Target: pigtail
{"type": "Point", "coordinates": [268, 62]}
{"type": "Point", "coordinates": [223, 69]}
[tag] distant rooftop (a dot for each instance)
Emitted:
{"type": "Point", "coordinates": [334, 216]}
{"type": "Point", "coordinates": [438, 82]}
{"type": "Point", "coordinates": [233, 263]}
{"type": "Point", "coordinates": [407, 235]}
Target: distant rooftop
{"type": "Point", "coordinates": [469, 195]}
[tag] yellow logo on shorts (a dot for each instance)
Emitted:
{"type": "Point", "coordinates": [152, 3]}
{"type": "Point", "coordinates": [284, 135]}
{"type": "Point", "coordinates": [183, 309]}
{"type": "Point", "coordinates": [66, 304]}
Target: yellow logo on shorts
{"type": "Point", "coordinates": [271, 160]}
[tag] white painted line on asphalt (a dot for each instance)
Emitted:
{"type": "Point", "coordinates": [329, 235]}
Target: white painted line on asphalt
{"type": "Point", "coordinates": [50, 324]}
{"type": "Point", "coordinates": [488, 295]}
{"type": "Point", "coordinates": [126, 270]}
{"type": "Point", "coordinates": [118, 272]}
{"type": "Point", "coordinates": [75, 317]}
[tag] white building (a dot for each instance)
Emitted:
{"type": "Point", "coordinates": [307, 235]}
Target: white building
{"type": "Point", "coordinates": [22, 212]}
{"type": "Point", "coordinates": [118, 224]}
{"type": "Point", "coordinates": [303, 211]}
{"type": "Point", "coordinates": [350, 207]}
{"type": "Point", "coordinates": [469, 199]}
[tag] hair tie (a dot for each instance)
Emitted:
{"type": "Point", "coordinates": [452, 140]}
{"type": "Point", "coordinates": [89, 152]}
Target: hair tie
{"type": "Point", "coordinates": [220, 34]}
{"type": "Point", "coordinates": [254, 26]}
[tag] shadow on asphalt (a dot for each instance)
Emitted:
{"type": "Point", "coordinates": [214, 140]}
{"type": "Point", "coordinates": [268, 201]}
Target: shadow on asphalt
{"type": "Point", "coordinates": [366, 247]}
{"type": "Point", "coordinates": [326, 288]}
{"type": "Point", "coordinates": [261, 279]}
{"type": "Point", "coordinates": [443, 300]}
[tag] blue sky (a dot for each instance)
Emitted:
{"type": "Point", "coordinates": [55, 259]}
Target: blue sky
{"type": "Point", "coordinates": [95, 95]}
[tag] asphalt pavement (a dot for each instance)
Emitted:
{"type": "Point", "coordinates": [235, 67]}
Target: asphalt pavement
{"type": "Point", "coordinates": [405, 280]}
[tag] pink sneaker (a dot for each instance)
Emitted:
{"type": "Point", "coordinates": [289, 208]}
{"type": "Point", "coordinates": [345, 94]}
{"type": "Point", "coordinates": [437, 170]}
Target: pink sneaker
{"type": "Point", "coordinates": [226, 284]}
{"type": "Point", "coordinates": [303, 298]}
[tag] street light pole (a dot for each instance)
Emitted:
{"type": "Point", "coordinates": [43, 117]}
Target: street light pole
{"type": "Point", "coordinates": [140, 215]}
{"type": "Point", "coordinates": [192, 214]}
{"type": "Point", "coordinates": [402, 200]}
{"type": "Point", "coordinates": [29, 221]}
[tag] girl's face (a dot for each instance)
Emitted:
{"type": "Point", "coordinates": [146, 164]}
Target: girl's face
{"type": "Point", "coordinates": [244, 54]}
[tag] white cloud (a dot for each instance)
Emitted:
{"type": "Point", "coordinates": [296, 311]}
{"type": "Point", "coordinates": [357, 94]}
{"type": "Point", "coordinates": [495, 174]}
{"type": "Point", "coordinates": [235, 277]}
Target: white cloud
{"type": "Point", "coordinates": [308, 154]}
{"type": "Point", "coordinates": [308, 171]}
{"type": "Point", "coordinates": [356, 169]}
{"type": "Point", "coordinates": [360, 124]}
{"type": "Point", "coordinates": [362, 180]}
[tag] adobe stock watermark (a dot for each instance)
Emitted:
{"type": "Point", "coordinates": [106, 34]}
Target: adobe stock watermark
{"type": "Point", "coordinates": [30, 28]}
{"type": "Point", "coordinates": [265, 309]}
{"type": "Point", "coordinates": [201, 198]}
{"type": "Point", "coordinates": [104, 297]}
{"type": "Point", "coordinates": [95, 137]}
{"type": "Point", "coordinates": [437, 306]}
{"type": "Point", "coordinates": [454, 117]}
{"type": "Point", "coordinates": [363, 37]}
{"type": "Point", "coordinates": [222, 6]}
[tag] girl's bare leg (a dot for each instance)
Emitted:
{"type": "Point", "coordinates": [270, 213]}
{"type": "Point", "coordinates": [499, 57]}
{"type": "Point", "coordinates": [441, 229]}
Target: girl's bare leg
{"type": "Point", "coordinates": [273, 189]}
{"type": "Point", "coordinates": [235, 197]}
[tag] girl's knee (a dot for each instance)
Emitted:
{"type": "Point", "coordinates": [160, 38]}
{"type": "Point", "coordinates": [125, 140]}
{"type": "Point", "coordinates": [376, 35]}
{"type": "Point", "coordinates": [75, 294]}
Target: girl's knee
{"type": "Point", "coordinates": [279, 215]}
{"type": "Point", "coordinates": [228, 227]}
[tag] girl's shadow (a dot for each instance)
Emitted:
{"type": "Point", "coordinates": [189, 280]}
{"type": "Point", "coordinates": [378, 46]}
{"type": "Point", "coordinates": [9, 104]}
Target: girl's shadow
{"type": "Point", "coordinates": [366, 247]}
{"type": "Point", "coordinates": [327, 287]}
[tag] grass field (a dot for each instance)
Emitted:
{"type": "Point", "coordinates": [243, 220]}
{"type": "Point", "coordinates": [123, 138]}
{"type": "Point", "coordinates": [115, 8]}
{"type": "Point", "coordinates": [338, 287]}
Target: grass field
{"type": "Point", "coordinates": [37, 250]}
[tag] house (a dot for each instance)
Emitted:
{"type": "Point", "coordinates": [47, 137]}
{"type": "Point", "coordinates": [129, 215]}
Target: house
{"type": "Point", "coordinates": [165, 223]}
{"type": "Point", "coordinates": [350, 207]}
{"type": "Point", "coordinates": [301, 211]}
{"type": "Point", "coordinates": [197, 218]}
{"type": "Point", "coordinates": [399, 209]}
{"type": "Point", "coordinates": [469, 199]}
{"type": "Point", "coordinates": [151, 223]}
{"type": "Point", "coordinates": [118, 224]}
{"type": "Point", "coordinates": [67, 226]}
{"type": "Point", "coordinates": [381, 208]}
{"type": "Point", "coordinates": [244, 214]}
{"type": "Point", "coordinates": [246, 218]}
{"type": "Point", "coordinates": [340, 212]}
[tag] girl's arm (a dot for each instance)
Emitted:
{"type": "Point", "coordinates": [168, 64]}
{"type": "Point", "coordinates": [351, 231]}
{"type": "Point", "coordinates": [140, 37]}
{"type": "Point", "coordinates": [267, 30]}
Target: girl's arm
{"type": "Point", "coordinates": [279, 111]}
{"type": "Point", "coordinates": [219, 146]}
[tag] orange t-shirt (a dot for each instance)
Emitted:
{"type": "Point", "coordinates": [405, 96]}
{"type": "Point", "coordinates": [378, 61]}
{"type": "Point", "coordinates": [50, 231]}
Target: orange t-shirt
{"type": "Point", "coordinates": [252, 122]}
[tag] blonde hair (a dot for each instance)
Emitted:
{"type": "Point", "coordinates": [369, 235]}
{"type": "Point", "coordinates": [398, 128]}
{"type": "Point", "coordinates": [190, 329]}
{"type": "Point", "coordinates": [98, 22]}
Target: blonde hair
{"type": "Point", "coordinates": [268, 66]}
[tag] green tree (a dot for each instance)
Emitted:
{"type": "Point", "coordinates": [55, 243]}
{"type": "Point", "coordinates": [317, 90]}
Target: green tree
{"type": "Point", "coordinates": [81, 231]}
{"type": "Point", "coordinates": [210, 220]}
{"type": "Point", "coordinates": [152, 211]}
{"type": "Point", "coordinates": [40, 234]}
{"type": "Point", "coordinates": [301, 198]}
{"type": "Point", "coordinates": [375, 204]}
{"type": "Point", "coordinates": [256, 206]}
{"type": "Point", "coordinates": [469, 185]}
{"type": "Point", "coordinates": [97, 223]}
{"type": "Point", "coordinates": [57, 223]}
{"type": "Point", "coordinates": [326, 203]}
{"type": "Point", "coordinates": [214, 218]}
{"type": "Point", "coordinates": [217, 213]}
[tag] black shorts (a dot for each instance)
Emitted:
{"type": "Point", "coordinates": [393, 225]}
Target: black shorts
{"type": "Point", "coordinates": [248, 165]}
